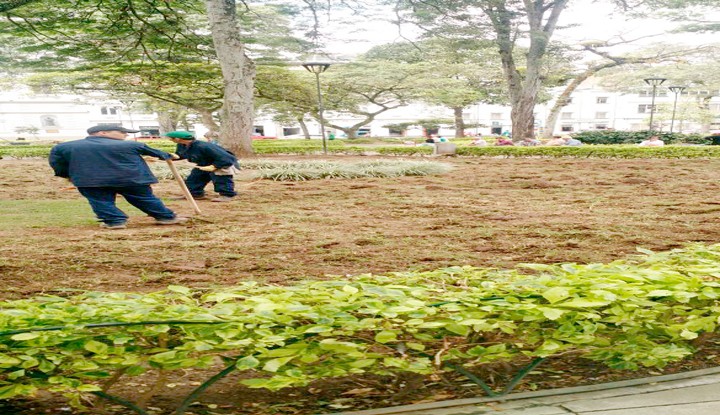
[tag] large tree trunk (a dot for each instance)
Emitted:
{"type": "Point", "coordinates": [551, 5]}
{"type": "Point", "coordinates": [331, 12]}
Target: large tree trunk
{"type": "Point", "coordinates": [239, 76]}
{"type": "Point", "coordinates": [459, 122]}
{"type": "Point", "coordinates": [523, 88]}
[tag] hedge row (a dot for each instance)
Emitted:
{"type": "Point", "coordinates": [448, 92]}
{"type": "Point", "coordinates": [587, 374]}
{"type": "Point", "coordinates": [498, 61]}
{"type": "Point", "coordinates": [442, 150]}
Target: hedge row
{"type": "Point", "coordinates": [350, 148]}
{"type": "Point", "coordinates": [625, 314]}
{"type": "Point", "coordinates": [634, 137]}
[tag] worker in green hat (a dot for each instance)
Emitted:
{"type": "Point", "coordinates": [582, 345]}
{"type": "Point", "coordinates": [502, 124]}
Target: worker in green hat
{"type": "Point", "coordinates": [213, 164]}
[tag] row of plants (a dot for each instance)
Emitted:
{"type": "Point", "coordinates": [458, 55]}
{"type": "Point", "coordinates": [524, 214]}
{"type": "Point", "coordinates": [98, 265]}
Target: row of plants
{"type": "Point", "coordinates": [634, 137]}
{"type": "Point", "coordinates": [347, 147]}
{"type": "Point", "coordinates": [321, 169]}
{"type": "Point", "coordinates": [595, 151]}
{"type": "Point", "coordinates": [646, 311]}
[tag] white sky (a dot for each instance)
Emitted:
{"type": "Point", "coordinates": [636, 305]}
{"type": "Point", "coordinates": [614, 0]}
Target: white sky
{"type": "Point", "coordinates": [597, 21]}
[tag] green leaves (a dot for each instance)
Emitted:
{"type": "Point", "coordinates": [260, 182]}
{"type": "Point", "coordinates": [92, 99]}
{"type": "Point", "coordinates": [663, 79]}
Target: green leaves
{"type": "Point", "coordinates": [642, 312]}
{"type": "Point", "coordinates": [555, 294]}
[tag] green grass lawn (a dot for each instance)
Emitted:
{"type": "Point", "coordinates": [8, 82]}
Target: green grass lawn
{"type": "Point", "coordinates": [43, 213]}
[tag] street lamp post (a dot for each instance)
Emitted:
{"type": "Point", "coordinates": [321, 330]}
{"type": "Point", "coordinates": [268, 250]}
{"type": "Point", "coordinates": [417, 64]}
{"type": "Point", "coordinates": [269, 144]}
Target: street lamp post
{"type": "Point", "coordinates": [654, 82]}
{"type": "Point", "coordinates": [317, 67]}
{"type": "Point", "coordinates": [676, 90]}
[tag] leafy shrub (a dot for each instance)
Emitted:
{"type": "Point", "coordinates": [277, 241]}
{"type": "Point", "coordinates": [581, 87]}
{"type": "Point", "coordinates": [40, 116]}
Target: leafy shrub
{"type": "Point", "coordinates": [634, 137]}
{"type": "Point", "coordinates": [625, 314]}
{"type": "Point", "coordinates": [595, 151]}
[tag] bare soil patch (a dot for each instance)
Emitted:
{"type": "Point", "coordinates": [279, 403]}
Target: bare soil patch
{"type": "Point", "coordinates": [486, 212]}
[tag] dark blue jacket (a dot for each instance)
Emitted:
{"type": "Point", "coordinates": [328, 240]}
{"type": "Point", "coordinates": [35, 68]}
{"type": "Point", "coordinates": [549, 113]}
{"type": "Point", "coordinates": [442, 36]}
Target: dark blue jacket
{"type": "Point", "coordinates": [204, 154]}
{"type": "Point", "coordinates": [104, 162]}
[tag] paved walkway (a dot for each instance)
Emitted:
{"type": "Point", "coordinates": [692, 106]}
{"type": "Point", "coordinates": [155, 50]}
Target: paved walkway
{"type": "Point", "coordinates": [691, 393]}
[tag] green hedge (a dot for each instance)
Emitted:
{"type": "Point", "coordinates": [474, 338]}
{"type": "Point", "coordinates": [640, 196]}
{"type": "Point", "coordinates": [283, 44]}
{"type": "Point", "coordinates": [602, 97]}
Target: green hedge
{"type": "Point", "coordinates": [264, 147]}
{"type": "Point", "coordinates": [625, 314]}
{"type": "Point", "coordinates": [595, 151]}
{"type": "Point", "coordinates": [634, 137]}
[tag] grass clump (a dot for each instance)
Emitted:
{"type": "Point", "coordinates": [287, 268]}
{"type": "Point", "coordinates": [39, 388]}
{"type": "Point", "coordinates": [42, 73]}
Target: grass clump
{"type": "Point", "coordinates": [311, 170]}
{"type": "Point", "coordinates": [319, 169]}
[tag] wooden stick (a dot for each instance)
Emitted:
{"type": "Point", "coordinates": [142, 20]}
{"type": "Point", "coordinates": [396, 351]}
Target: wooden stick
{"type": "Point", "coordinates": [184, 188]}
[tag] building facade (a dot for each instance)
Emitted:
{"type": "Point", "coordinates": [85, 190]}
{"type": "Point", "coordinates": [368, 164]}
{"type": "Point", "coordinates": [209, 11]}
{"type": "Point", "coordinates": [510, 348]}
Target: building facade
{"type": "Point", "coordinates": [59, 117]}
{"type": "Point", "coordinates": [35, 117]}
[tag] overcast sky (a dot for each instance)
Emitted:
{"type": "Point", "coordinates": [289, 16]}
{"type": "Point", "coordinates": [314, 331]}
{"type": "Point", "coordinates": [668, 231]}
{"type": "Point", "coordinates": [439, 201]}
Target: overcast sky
{"type": "Point", "coordinates": [597, 21]}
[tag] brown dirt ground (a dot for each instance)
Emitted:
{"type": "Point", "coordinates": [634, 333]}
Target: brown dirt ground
{"type": "Point", "coordinates": [487, 212]}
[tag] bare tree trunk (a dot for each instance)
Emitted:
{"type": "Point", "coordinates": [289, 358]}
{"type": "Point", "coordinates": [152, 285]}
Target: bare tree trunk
{"type": "Point", "coordinates": [208, 120]}
{"type": "Point", "coordinates": [304, 128]}
{"type": "Point", "coordinates": [459, 123]}
{"type": "Point", "coordinates": [564, 97]}
{"type": "Point", "coordinates": [351, 131]}
{"type": "Point", "coordinates": [167, 122]}
{"type": "Point", "coordinates": [238, 73]}
{"type": "Point", "coordinates": [704, 103]}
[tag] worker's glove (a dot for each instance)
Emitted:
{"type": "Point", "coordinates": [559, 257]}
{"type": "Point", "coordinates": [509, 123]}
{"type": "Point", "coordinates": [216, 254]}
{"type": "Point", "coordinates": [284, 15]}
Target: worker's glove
{"type": "Point", "coordinates": [209, 168]}
{"type": "Point", "coordinates": [174, 156]}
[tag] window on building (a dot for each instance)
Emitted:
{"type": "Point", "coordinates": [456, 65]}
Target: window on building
{"type": "Point", "coordinates": [601, 100]}
{"type": "Point", "coordinates": [291, 131]}
{"type": "Point", "coordinates": [108, 110]}
{"type": "Point", "coordinates": [644, 108]}
{"type": "Point", "coordinates": [658, 93]}
{"type": "Point", "coordinates": [496, 116]}
{"type": "Point", "coordinates": [566, 115]}
{"type": "Point", "coordinates": [601, 126]}
{"type": "Point", "coordinates": [601, 115]}
{"type": "Point", "coordinates": [566, 128]}
{"type": "Point", "coordinates": [48, 121]}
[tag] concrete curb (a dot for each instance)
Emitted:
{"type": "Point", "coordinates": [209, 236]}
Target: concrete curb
{"type": "Point", "coordinates": [536, 394]}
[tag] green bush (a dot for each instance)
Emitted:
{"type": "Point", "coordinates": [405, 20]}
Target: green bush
{"type": "Point", "coordinates": [394, 148]}
{"type": "Point", "coordinates": [625, 314]}
{"type": "Point", "coordinates": [595, 151]}
{"type": "Point", "coordinates": [634, 137]}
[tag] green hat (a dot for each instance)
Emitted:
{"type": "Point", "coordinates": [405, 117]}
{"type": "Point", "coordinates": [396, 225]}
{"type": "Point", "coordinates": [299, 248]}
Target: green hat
{"type": "Point", "coordinates": [183, 135]}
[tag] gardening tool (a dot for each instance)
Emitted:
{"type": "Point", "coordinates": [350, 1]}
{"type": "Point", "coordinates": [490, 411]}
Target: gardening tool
{"type": "Point", "coordinates": [184, 188]}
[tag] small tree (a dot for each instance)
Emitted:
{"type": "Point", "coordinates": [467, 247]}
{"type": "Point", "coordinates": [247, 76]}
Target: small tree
{"type": "Point", "coordinates": [32, 130]}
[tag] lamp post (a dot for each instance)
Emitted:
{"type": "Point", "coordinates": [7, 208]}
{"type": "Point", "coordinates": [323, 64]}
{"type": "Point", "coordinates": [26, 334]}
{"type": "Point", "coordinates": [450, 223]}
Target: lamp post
{"type": "Point", "coordinates": [317, 67]}
{"type": "Point", "coordinates": [654, 82]}
{"type": "Point", "coordinates": [676, 90]}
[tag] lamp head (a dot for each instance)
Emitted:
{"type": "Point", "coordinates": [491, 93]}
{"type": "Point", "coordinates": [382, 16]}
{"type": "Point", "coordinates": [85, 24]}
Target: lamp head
{"type": "Point", "coordinates": [316, 65]}
{"type": "Point", "coordinates": [654, 81]}
{"type": "Point", "coordinates": [677, 89]}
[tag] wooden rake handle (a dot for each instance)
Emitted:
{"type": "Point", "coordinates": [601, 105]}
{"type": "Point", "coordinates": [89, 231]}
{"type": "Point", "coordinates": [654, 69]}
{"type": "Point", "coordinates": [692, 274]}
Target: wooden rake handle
{"type": "Point", "coordinates": [183, 187]}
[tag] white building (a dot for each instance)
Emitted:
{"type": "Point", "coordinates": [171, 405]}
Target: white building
{"type": "Point", "coordinates": [28, 116]}
{"type": "Point", "coordinates": [593, 108]}
{"type": "Point", "coordinates": [58, 117]}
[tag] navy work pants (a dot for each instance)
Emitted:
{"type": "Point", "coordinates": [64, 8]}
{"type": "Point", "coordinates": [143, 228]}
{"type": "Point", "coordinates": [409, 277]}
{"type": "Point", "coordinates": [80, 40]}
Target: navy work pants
{"type": "Point", "coordinates": [102, 201]}
{"type": "Point", "coordinates": [198, 179]}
